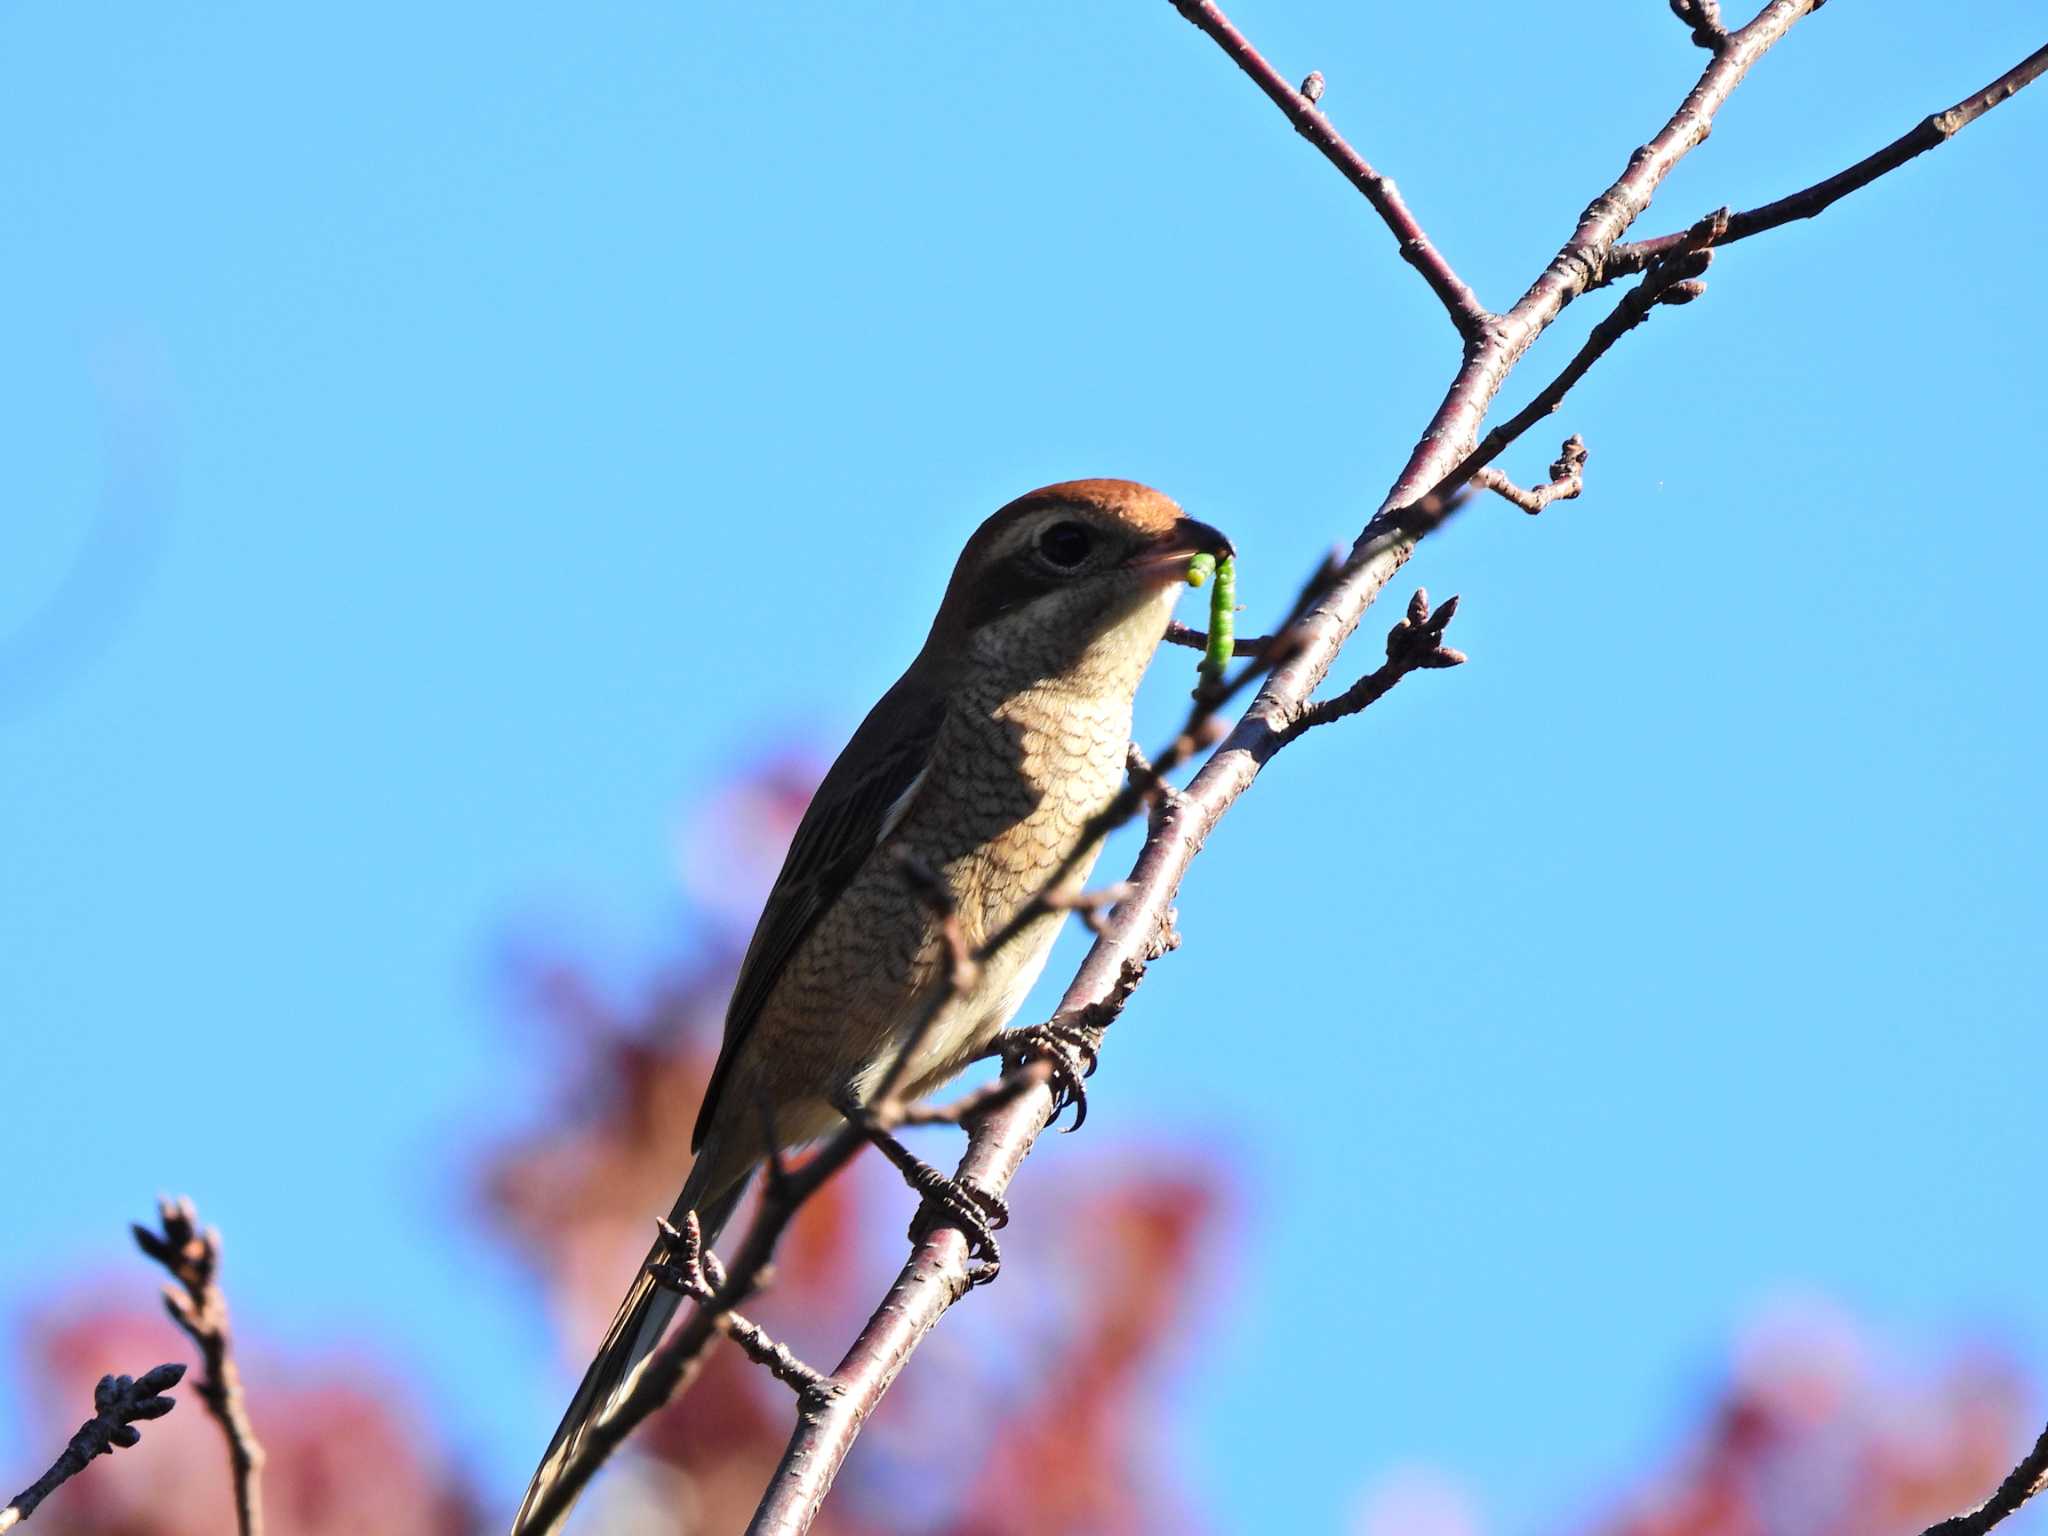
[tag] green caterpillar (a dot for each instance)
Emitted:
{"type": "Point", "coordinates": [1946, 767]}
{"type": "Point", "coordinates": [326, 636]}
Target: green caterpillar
{"type": "Point", "coordinates": [1222, 610]}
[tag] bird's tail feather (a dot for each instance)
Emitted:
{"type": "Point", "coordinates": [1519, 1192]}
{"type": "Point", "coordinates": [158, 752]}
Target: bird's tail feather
{"type": "Point", "coordinates": [643, 1317]}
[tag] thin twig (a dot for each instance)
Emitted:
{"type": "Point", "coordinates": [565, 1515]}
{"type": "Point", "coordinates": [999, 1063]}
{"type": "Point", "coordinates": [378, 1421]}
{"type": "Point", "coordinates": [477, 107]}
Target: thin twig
{"type": "Point", "coordinates": [1162, 798]}
{"type": "Point", "coordinates": [1194, 639]}
{"type": "Point", "coordinates": [199, 1306]}
{"type": "Point", "coordinates": [1673, 282]}
{"type": "Point", "coordinates": [1704, 17]}
{"type": "Point", "coordinates": [1413, 644]}
{"type": "Point", "coordinates": [1298, 104]}
{"type": "Point", "coordinates": [119, 1404]}
{"type": "Point", "coordinates": [1930, 133]}
{"type": "Point", "coordinates": [2026, 1480]}
{"type": "Point", "coordinates": [975, 1101]}
{"type": "Point", "coordinates": [1093, 907]}
{"type": "Point", "coordinates": [1569, 274]}
{"type": "Point", "coordinates": [1567, 480]}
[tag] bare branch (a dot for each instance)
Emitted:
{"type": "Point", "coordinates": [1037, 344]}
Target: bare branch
{"type": "Point", "coordinates": [1298, 104]}
{"type": "Point", "coordinates": [1413, 644]}
{"type": "Point", "coordinates": [975, 1101]}
{"type": "Point", "coordinates": [1093, 907]}
{"type": "Point", "coordinates": [1674, 282]}
{"type": "Point", "coordinates": [1929, 133]}
{"type": "Point", "coordinates": [1704, 17]}
{"type": "Point", "coordinates": [1574, 269]}
{"type": "Point", "coordinates": [936, 1275]}
{"type": "Point", "coordinates": [119, 1404]}
{"type": "Point", "coordinates": [1567, 480]}
{"type": "Point", "coordinates": [1194, 639]}
{"type": "Point", "coordinates": [2021, 1484]}
{"type": "Point", "coordinates": [199, 1306]}
{"type": "Point", "coordinates": [1161, 798]}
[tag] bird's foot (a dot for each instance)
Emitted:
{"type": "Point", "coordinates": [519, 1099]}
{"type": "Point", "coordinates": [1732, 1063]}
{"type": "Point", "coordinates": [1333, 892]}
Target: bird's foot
{"type": "Point", "coordinates": [955, 1202]}
{"type": "Point", "coordinates": [1068, 1047]}
{"type": "Point", "coordinates": [690, 1268]}
{"type": "Point", "coordinates": [975, 1211]}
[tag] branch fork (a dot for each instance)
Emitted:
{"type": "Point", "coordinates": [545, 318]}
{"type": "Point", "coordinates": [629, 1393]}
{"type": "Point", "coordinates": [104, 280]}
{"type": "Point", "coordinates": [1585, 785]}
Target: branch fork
{"type": "Point", "coordinates": [1704, 17]}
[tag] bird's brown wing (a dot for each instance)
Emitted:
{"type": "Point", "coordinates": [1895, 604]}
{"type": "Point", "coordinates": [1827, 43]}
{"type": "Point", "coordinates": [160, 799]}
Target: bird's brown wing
{"type": "Point", "coordinates": [862, 796]}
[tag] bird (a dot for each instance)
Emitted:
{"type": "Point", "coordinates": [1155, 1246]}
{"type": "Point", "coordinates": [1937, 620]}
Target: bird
{"type": "Point", "coordinates": [980, 768]}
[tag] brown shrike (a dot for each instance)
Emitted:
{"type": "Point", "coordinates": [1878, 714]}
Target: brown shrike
{"type": "Point", "coordinates": [984, 763]}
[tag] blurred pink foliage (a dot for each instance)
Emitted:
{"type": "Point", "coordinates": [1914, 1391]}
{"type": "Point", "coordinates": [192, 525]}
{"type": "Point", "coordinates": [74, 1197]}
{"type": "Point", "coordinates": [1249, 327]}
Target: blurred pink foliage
{"type": "Point", "coordinates": [1809, 1436]}
{"type": "Point", "coordinates": [1036, 1412]}
{"type": "Point", "coordinates": [346, 1453]}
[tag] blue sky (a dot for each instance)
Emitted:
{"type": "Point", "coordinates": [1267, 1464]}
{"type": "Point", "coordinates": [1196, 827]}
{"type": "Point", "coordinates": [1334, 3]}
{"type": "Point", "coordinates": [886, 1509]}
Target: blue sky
{"type": "Point", "coordinates": [441, 442]}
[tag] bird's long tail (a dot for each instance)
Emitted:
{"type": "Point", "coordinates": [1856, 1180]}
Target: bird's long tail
{"type": "Point", "coordinates": [642, 1319]}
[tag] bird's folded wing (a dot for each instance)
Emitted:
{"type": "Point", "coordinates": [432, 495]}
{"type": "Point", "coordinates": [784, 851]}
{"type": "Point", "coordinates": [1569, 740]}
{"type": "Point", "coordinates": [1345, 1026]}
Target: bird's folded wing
{"type": "Point", "coordinates": [862, 798]}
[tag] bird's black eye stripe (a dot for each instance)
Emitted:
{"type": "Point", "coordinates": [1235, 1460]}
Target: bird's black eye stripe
{"type": "Point", "coordinates": [1065, 544]}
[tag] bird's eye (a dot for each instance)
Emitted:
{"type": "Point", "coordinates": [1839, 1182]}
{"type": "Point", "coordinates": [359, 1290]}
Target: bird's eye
{"type": "Point", "coordinates": [1065, 545]}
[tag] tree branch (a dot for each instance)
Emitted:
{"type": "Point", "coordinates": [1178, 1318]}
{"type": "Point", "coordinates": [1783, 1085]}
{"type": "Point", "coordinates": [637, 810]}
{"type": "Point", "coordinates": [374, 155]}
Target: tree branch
{"type": "Point", "coordinates": [1298, 105]}
{"type": "Point", "coordinates": [1567, 480]}
{"type": "Point", "coordinates": [1930, 133]}
{"type": "Point", "coordinates": [1001, 1136]}
{"type": "Point", "coordinates": [1415, 643]}
{"type": "Point", "coordinates": [1194, 639]}
{"type": "Point", "coordinates": [2020, 1485]}
{"type": "Point", "coordinates": [1578, 265]}
{"type": "Point", "coordinates": [199, 1306]}
{"type": "Point", "coordinates": [1704, 17]}
{"type": "Point", "coordinates": [119, 1404]}
{"type": "Point", "coordinates": [1674, 282]}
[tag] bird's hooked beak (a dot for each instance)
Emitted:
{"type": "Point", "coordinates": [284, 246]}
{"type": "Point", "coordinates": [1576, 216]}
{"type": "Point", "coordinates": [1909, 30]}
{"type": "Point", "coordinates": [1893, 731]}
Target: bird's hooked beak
{"type": "Point", "coordinates": [1168, 554]}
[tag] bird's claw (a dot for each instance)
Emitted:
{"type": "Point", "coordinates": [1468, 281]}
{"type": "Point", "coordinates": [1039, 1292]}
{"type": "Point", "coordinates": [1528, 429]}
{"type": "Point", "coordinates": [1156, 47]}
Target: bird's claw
{"type": "Point", "coordinates": [1068, 1049]}
{"type": "Point", "coordinates": [977, 1213]}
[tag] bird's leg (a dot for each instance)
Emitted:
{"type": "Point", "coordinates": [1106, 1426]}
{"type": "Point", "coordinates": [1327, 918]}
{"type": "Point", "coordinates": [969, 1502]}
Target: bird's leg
{"type": "Point", "coordinates": [975, 1211]}
{"type": "Point", "coordinates": [1067, 1043]}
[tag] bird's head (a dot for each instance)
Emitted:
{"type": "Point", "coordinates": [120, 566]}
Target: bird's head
{"type": "Point", "coordinates": [1077, 575]}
